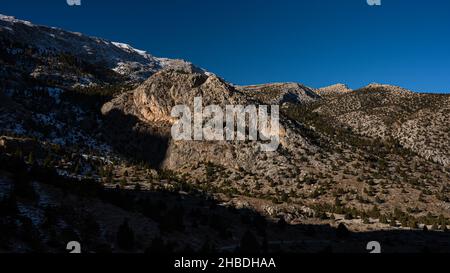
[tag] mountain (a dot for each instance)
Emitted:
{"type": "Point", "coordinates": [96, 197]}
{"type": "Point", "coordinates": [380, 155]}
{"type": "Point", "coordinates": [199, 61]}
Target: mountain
{"type": "Point", "coordinates": [73, 59]}
{"type": "Point", "coordinates": [334, 89]}
{"type": "Point", "coordinates": [86, 154]}
{"type": "Point", "coordinates": [279, 93]}
{"type": "Point", "coordinates": [418, 122]}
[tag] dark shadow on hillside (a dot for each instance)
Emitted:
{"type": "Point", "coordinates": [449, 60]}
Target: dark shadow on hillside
{"type": "Point", "coordinates": [230, 230]}
{"type": "Point", "coordinates": [187, 223]}
{"type": "Point", "coordinates": [134, 140]}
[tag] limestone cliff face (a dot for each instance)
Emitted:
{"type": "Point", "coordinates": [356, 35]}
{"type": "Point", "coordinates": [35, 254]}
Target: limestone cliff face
{"type": "Point", "coordinates": [151, 103]}
{"type": "Point", "coordinates": [154, 99]}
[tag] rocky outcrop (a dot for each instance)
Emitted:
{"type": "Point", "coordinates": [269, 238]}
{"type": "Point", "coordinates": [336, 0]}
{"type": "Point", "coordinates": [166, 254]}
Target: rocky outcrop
{"type": "Point", "coordinates": [13, 144]}
{"type": "Point", "coordinates": [335, 89]}
{"type": "Point", "coordinates": [151, 103]}
{"type": "Point", "coordinates": [154, 99]}
{"type": "Point", "coordinates": [418, 122]}
{"type": "Point", "coordinates": [66, 49]}
{"type": "Point", "coordinates": [279, 93]}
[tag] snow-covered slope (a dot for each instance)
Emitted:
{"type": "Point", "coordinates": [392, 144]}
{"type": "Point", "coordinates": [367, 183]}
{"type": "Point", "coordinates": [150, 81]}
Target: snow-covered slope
{"type": "Point", "coordinates": [137, 65]}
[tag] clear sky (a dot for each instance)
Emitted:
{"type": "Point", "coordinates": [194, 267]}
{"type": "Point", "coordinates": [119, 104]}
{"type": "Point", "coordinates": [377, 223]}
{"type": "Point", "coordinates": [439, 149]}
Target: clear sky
{"type": "Point", "coordinates": [315, 42]}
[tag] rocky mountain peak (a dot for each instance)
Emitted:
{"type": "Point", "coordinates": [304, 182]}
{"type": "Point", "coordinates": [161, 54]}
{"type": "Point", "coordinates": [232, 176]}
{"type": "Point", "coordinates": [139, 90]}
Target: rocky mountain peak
{"type": "Point", "coordinates": [334, 89]}
{"type": "Point", "coordinates": [357, 157]}
{"type": "Point", "coordinates": [133, 64]}
{"type": "Point", "coordinates": [279, 93]}
{"type": "Point", "coordinates": [154, 99]}
{"type": "Point", "coordinates": [386, 87]}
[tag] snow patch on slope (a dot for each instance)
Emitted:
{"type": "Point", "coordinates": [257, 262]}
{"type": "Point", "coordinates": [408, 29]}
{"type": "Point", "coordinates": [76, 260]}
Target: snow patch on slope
{"type": "Point", "coordinates": [131, 49]}
{"type": "Point", "coordinates": [13, 19]}
{"type": "Point", "coordinates": [134, 64]}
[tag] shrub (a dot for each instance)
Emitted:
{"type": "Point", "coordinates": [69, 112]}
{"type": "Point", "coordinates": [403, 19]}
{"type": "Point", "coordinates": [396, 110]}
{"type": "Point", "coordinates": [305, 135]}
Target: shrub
{"type": "Point", "coordinates": [125, 236]}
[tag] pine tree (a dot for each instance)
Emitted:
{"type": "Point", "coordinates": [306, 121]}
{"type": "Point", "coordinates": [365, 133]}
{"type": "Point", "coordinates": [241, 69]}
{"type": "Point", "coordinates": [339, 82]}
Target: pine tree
{"type": "Point", "coordinates": [48, 161]}
{"type": "Point", "coordinates": [265, 245]}
{"type": "Point", "coordinates": [156, 246]}
{"type": "Point", "coordinates": [18, 153]}
{"type": "Point", "coordinates": [348, 216]}
{"type": "Point", "coordinates": [383, 219]}
{"type": "Point", "coordinates": [8, 206]}
{"type": "Point", "coordinates": [393, 222]}
{"type": "Point", "coordinates": [30, 159]}
{"type": "Point", "coordinates": [123, 183]}
{"type": "Point", "coordinates": [366, 220]}
{"type": "Point", "coordinates": [249, 244]}
{"type": "Point", "coordinates": [434, 226]}
{"type": "Point", "coordinates": [342, 231]}
{"type": "Point", "coordinates": [375, 212]}
{"type": "Point", "coordinates": [125, 236]}
{"type": "Point", "coordinates": [412, 224]}
{"type": "Point", "coordinates": [282, 223]}
{"type": "Point", "coordinates": [208, 247]}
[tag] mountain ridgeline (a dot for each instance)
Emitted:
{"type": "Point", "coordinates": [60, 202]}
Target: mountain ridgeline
{"type": "Point", "coordinates": [90, 119]}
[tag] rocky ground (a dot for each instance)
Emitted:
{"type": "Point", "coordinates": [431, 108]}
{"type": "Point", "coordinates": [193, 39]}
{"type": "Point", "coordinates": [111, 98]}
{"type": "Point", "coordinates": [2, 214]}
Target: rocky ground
{"type": "Point", "coordinates": [87, 155]}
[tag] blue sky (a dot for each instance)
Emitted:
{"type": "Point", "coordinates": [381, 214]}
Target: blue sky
{"type": "Point", "coordinates": [315, 42]}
